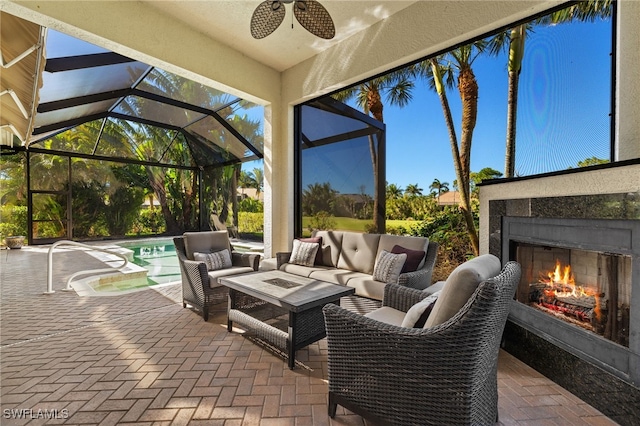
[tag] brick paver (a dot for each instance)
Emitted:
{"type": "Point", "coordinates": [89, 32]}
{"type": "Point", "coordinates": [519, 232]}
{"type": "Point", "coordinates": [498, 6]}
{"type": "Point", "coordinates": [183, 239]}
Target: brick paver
{"type": "Point", "coordinates": [143, 359]}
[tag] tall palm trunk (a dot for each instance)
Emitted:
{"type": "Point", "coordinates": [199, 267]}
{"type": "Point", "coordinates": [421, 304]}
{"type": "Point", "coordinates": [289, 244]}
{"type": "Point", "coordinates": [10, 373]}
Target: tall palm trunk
{"type": "Point", "coordinates": [516, 53]}
{"type": "Point", "coordinates": [461, 156]}
{"type": "Point", "coordinates": [374, 104]}
{"type": "Point", "coordinates": [156, 180]}
{"type": "Point", "coordinates": [468, 88]}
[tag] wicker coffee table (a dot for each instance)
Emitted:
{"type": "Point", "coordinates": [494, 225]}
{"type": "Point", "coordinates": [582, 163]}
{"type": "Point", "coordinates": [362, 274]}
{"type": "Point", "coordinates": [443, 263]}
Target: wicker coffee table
{"type": "Point", "coordinates": [277, 294]}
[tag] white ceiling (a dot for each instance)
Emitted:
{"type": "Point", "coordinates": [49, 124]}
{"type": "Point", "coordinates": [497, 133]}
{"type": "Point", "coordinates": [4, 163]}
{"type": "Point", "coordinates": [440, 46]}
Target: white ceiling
{"type": "Point", "coordinates": [228, 21]}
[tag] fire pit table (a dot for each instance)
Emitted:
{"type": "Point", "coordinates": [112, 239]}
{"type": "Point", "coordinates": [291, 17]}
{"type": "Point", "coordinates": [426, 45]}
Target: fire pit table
{"type": "Point", "coordinates": [277, 294]}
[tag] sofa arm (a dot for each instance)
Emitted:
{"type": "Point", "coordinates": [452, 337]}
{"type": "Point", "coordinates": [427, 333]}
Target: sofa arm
{"type": "Point", "coordinates": [245, 259]}
{"type": "Point", "coordinates": [419, 279]}
{"type": "Point", "coordinates": [282, 258]}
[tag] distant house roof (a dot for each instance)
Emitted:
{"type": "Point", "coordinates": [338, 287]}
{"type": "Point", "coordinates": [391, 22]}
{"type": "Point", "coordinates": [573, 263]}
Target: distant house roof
{"type": "Point", "coordinates": [449, 198]}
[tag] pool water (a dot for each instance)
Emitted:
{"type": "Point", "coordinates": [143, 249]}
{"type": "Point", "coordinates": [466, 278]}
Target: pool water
{"type": "Point", "coordinates": [158, 257]}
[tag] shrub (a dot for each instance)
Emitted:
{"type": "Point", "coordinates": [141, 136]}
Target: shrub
{"type": "Point", "coordinates": [250, 223]}
{"type": "Point", "coordinates": [322, 221]}
{"type": "Point", "coordinates": [250, 205]}
{"type": "Point", "coordinates": [149, 221]}
{"type": "Point", "coordinates": [449, 230]}
{"type": "Point", "coordinates": [13, 221]}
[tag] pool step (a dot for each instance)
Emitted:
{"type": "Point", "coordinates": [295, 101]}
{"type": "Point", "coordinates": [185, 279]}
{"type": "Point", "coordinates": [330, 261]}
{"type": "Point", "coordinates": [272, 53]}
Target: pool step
{"type": "Point", "coordinates": [130, 271]}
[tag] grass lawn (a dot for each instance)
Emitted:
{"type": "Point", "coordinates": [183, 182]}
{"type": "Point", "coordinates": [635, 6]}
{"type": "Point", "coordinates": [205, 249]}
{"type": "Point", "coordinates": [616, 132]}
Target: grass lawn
{"type": "Point", "coordinates": [358, 225]}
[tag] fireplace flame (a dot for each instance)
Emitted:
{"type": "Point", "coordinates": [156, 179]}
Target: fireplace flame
{"type": "Point", "coordinates": [560, 284]}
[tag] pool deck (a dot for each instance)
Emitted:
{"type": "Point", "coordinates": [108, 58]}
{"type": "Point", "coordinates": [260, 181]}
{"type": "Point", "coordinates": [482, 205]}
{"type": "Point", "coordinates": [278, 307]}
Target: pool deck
{"type": "Point", "coordinates": [141, 358]}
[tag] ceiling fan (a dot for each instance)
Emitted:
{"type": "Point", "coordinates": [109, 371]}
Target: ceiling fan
{"type": "Point", "coordinates": [310, 14]}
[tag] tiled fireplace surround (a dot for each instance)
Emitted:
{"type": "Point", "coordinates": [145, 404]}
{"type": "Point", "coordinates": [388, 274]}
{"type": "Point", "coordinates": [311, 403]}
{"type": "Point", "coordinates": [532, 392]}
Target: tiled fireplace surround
{"type": "Point", "coordinates": [599, 195]}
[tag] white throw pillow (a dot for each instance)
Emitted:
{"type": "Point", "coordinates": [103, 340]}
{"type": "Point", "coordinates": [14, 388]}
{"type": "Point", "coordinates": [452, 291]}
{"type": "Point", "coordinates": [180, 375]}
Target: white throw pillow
{"type": "Point", "coordinates": [416, 312]}
{"type": "Point", "coordinates": [214, 261]}
{"type": "Point", "coordinates": [303, 253]}
{"type": "Point", "coordinates": [388, 267]}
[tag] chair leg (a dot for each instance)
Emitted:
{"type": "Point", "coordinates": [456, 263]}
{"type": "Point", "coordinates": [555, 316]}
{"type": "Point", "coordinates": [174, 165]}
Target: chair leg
{"type": "Point", "coordinates": [332, 407]}
{"type": "Point", "coordinates": [205, 313]}
{"type": "Point", "coordinates": [184, 304]}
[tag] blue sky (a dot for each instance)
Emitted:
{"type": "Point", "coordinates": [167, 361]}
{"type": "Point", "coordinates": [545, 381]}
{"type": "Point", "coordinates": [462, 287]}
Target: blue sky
{"type": "Point", "coordinates": [563, 113]}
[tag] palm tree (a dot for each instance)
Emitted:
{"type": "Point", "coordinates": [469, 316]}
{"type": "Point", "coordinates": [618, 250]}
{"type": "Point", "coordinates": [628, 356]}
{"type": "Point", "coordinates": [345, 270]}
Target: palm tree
{"type": "Point", "coordinates": [515, 40]}
{"type": "Point", "coordinates": [438, 187]}
{"type": "Point", "coordinates": [396, 87]}
{"type": "Point", "coordinates": [393, 191]}
{"type": "Point", "coordinates": [441, 71]}
{"type": "Point", "coordinates": [412, 190]}
{"type": "Point", "coordinates": [258, 180]}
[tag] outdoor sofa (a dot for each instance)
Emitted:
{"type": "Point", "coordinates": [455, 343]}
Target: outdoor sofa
{"type": "Point", "coordinates": [354, 259]}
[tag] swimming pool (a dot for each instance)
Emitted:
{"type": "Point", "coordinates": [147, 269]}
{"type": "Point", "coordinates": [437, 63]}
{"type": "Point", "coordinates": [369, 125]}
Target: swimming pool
{"type": "Point", "coordinates": [156, 256]}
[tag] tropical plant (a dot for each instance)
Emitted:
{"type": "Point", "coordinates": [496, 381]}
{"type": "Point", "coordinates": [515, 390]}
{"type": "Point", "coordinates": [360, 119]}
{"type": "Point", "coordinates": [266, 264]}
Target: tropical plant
{"type": "Point", "coordinates": [441, 72]}
{"type": "Point", "coordinates": [437, 187]}
{"type": "Point", "coordinates": [393, 191]}
{"type": "Point", "coordinates": [322, 221]}
{"type": "Point", "coordinates": [412, 190]}
{"type": "Point", "coordinates": [592, 161]}
{"type": "Point", "coordinates": [448, 228]}
{"type": "Point", "coordinates": [484, 174]}
{"type": "Point", "coordinates": [319, 197]}
{"type": "Point", "coordinates": [396, 87]}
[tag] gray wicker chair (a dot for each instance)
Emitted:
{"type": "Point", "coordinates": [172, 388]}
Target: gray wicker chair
{"type": "Point", "coordinates": [444, 375]}
{"type": "Point", "coordinates": [197, 290]}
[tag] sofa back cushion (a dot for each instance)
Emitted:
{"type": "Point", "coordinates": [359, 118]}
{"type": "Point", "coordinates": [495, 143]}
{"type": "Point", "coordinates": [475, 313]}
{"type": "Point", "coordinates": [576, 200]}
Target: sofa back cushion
{"type": "Point", "coordinates": [205, 242]}
{"type": "Point", "coordinates": [460, 285]}
{"type": "Point", "coordinates": [387, 242]}
{"type": "Point", "coordinates": [331, 246]}
{"type": "Point", "coordinates": [358, 252]}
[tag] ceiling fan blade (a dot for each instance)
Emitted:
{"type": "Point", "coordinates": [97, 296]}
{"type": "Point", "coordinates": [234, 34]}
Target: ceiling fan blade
{"type": "Point", "coordinates": [314, 18]}
{"type": "Point", "coordinates": [266, 18]}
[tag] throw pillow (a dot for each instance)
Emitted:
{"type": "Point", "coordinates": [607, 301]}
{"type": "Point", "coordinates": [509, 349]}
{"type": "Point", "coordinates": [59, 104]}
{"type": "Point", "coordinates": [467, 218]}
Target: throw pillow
{"type": "Point", "coordinates": [417, 315]}
{"type": "Point", "coordinates": [414, 258]}
{"type": "Point", "coordinates": [214, 261]}
{"type": "Point", "coordinates": [316, 240]}
{"type": "Point", "coordinates": [388, 266]}
{"type": "Point", "coordinates": [303, 253]}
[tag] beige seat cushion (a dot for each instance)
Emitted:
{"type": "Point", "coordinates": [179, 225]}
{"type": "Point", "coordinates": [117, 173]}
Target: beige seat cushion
{"type": "Point", "coordinates": [336, 276]}
{"type": "Point", "coordinates": [460, 285]}
{"type": "Point", "coordinates": [387, 315]}
{"type": "Point", "coordinates": [214, 276]}
{"type": "Point", "coordinates": [303, 271]}
{"type": "Point", "coordinates": [366, 286]}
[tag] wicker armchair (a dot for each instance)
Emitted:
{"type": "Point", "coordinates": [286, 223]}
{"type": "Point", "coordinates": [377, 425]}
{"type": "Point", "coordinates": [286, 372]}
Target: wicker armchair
{"type": "Point", "coordinates": [200, 288]}
{"type": "Point", "coordinates": [446, 374]}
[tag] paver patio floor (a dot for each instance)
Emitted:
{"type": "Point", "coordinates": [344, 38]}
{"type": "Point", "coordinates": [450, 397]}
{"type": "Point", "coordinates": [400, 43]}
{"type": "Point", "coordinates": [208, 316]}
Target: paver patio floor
{"type": "Point", "coordinates": [142, 359]}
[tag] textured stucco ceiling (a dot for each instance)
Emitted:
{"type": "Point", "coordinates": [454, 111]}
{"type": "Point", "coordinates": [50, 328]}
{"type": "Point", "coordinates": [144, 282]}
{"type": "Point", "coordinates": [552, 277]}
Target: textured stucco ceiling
{"type": "Point", "coordinates": [229, 22]}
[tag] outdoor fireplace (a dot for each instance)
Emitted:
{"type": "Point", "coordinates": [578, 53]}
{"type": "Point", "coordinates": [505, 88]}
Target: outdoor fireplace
{"type": "Point", "coordinates": [577, 286]}
{"type": "Point", "coordinates": [576, 315]}
{"type": "Point", "coordinates": [588, 289]}
{"type": "Point", "coordinates": [580, 225]}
